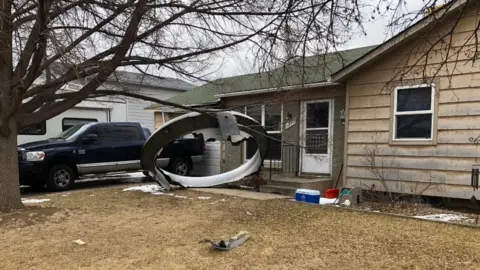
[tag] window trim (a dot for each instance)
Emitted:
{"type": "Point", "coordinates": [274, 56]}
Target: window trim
{"type": "Point", "coordinates": [433, 111]}
{"type": "Point", "coordinates": [266, 162]}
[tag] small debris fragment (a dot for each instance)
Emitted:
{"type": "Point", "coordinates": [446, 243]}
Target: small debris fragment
{"type": "Point", "coordinates": [233, 242]}
{"type": "Point", "coordinates": [204, 198]}
{"type": "Point", "coordinates": [250, 214]}
{"type": "Point", "coordinates": [79, 242]}
{"type": "Point", "coordinates": [346, 203]}
{"type": "Point", "coordinates": [180, 197]}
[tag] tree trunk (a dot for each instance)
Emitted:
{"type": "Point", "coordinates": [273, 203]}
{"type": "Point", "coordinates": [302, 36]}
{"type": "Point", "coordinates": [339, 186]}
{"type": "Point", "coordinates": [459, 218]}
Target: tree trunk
{"type": "Point", "coordinates": [9, 183]}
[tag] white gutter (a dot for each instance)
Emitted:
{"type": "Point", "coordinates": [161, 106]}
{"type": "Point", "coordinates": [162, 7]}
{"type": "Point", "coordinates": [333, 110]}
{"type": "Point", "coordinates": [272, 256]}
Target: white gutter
{"type": "Point", "coordinates": [269, 90]}
{"type": "Point", "coordinates": [168, 108]}
{"type": "Point", "coordinates": [400, 38]}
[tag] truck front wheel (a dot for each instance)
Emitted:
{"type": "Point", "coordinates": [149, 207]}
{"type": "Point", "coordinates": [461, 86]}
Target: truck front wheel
{"type": "Point", "coordinates": [60, 177]}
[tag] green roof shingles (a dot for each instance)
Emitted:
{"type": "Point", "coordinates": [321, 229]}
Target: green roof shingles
{"type": "Point", "coordinates": [315, 69]}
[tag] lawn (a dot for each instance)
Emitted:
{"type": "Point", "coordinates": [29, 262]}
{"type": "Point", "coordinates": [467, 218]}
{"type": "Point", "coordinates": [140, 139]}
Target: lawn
{"type": "Point", "coordinates": [136, 230]}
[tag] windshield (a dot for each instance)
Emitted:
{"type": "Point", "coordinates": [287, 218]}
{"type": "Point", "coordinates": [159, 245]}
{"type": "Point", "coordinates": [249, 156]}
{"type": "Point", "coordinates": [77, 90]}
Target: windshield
{"type": "Point", "coordinates": [72, 133]}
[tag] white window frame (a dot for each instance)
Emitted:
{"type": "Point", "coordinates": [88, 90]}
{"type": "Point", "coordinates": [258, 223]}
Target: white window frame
{"type": "Point", "coordinates": [431, 111]}
{"type": "Point", "coordinates": [266, 161]}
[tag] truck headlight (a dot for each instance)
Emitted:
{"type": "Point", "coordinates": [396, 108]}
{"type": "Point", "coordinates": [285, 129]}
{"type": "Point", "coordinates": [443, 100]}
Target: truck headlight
{"type": "Point", "coordinates": [35, 156]}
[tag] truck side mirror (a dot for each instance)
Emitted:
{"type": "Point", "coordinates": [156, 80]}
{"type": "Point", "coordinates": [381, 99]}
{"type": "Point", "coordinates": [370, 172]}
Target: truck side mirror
{"type": "Point", "coordinates": [89, 138]}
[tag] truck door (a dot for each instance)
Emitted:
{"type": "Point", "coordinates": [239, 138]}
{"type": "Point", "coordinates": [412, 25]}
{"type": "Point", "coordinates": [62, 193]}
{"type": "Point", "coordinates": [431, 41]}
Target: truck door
{"type": "Point", "coordinates": [128, 143]}
{"type": "Point", "coordinates": [97, 156]}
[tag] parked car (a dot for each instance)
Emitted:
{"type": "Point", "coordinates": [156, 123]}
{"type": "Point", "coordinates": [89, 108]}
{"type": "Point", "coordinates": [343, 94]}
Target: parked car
{"type": "Point", "coordinates": [92, 148]}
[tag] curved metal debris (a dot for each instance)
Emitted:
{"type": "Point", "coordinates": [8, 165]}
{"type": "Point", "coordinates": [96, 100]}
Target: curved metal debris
{"type": "Point", "coordinates": [232, 126]}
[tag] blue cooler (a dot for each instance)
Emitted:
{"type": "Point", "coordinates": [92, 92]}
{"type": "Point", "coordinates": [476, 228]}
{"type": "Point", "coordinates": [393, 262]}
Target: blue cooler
{"type": "Point", "coordinates": [307, 195]}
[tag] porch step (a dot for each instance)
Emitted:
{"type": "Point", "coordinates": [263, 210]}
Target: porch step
{"type": "Point", "coordinates": [319, 183]}
{"type": "Point", "coordinates": [282, 190]}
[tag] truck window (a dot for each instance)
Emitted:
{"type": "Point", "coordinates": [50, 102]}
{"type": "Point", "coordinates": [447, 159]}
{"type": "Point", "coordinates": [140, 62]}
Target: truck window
{"type": "Point", "coordinates": [103, 132]}
{"type": "Point", "coordinates": [69, 122]}
{"type": "Point", "coordinates": [147, 132]}
{"type": "Point", "coordinates": [127, 133]}
{"type": "Point", "coordinates": [36, 129]}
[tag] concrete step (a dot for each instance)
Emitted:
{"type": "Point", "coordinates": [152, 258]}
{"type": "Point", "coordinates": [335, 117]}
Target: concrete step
{"type": "Point", "coordinates": [283, 190]}
{"type": "Point", "coordinates": [321, 184]}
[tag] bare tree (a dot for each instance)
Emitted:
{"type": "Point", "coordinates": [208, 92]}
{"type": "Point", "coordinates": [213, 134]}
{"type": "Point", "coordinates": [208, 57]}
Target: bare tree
{"type": "Point", "coordinates": [385, 169]}
{"type": "Point", "coordinates": [44, 44]}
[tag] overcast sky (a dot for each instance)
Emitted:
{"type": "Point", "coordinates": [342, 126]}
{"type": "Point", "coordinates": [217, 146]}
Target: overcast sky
{"type": "Point", "coordinates": [241, 62]}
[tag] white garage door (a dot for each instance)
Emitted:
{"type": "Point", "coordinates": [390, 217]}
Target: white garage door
{"type": "Point", "coordinates": [211, 161]}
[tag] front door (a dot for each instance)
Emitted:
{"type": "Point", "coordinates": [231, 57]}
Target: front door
{"type": "Point", "coordinates": [316, 134]}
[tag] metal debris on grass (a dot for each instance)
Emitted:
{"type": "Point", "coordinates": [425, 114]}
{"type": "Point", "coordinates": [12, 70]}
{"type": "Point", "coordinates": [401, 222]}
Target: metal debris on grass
{"type": "Point", "coordinates": [233, 242]}
{"type": "Point", "coordinates": [79, 242]}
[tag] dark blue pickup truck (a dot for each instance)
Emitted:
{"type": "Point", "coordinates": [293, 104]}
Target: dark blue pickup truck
{"type": "Point", "coordinates": [98, 148]}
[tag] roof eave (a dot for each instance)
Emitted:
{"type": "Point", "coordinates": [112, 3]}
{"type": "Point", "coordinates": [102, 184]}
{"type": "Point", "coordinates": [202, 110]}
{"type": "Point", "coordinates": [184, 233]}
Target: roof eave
{"type": "Point", "coordinates": [400, 38]}
{"type": "Point", "coordinates": [269, 90]}
{"type": "Point", "coordinates": [216, 102]}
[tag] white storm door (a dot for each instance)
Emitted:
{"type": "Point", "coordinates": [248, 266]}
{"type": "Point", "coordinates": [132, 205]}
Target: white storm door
{"type": "Point", "coordinates": [316, 134]}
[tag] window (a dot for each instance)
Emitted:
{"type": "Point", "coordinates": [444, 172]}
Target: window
{"type": "Point", "coordinates": [146, 132]}
{"type": "Point", "coordinates": [270, 116]}
{"type": "Point", "coordinates": [413, 113]}
{"type": "Point", "coordinates": [316, 130]}
{"type": "Point", "coordinates": [128, 133]}
{"type": "Point", "coordinates": [70, 122]}
{"type": "Point", "coordinates": [103, 132]}
{"type": "Point", "coordinates": [36, 129]}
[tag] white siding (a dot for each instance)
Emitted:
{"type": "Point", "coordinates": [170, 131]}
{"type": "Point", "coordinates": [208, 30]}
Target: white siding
{"type": "Point", "coordinates": [103, 111]}
{"type": "Point", "coordinates": [136, 108]}
{"type": "Point", "coordinates": [211, 161]}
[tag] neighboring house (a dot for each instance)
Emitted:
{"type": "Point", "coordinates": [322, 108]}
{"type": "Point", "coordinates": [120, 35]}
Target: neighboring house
{"type": "Point", "coordinates": [109, 109]}
{"type": "Point", "coordinates": [398, 116]}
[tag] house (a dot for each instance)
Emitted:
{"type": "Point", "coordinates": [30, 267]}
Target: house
{"type": "Point", "coordinates": [401, 117]}
{"type": "Point", "coordinates": [109, 109]}
{"type": "Point", "coordinates": [282, 100]}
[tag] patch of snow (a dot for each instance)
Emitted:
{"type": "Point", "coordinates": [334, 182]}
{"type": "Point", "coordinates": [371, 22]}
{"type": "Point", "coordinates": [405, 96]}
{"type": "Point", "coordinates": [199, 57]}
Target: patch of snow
{"type": "Point", "coordinates": [35, 200]}
{"type": "Point", "coordinates": [162, 193]}
{"type": "Point", "coordinates": [136, 174]}
{"type": "Point", "coordinates": [154, 189]}
{"type": "Point", "coordinates": [324, 201]}
{"type": "Point", "coordinates": [204, 198]}
{"type": "Point", "coordinates": [443, 217]}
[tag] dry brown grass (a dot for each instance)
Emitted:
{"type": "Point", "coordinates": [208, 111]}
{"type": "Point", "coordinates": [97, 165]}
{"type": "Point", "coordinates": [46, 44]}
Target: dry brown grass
{"type": "Point", "coordinates": [134, 230]}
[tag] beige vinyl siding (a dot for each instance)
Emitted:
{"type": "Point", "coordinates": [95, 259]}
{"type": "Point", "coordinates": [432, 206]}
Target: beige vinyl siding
{"type": "Point", "coordinates": [168, 116]}
{"type": "Point", "coordinates": [407, 168]}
